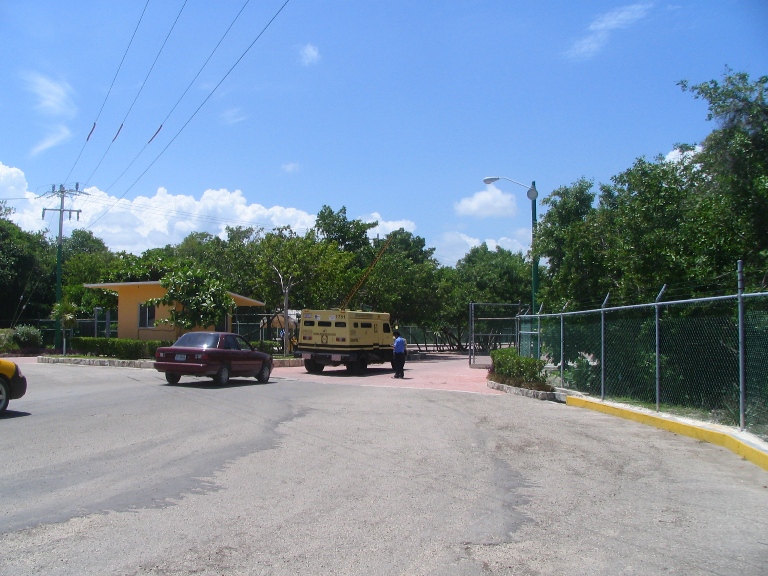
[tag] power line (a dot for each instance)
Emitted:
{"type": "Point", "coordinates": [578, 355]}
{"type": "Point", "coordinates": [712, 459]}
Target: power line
{"type": "Point", "coordinates": [108, 91]}
{"type": "Point", "coordinates": [191, 83]}
{"type": "Point", "coordinates": [141, 88]}
{"type": "Point", "coordinates": [260, 34]}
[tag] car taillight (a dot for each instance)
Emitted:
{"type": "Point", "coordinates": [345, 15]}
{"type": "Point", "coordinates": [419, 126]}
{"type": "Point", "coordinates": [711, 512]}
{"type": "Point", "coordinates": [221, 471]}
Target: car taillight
{"type": "Point", "coordinates": [341, 339]}
{"type": "Point", "coordinates": [201, 356]}
{"type": "Point", "coordinates": [307, 337]}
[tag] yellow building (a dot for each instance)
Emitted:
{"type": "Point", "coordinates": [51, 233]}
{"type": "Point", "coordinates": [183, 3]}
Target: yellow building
{"type": "Point", "coordinates": [138, 321]}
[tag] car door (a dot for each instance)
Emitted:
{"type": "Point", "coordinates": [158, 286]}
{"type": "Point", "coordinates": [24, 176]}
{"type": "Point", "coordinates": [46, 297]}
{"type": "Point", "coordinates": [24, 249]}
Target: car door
{"type": "Point", "coordinates": [252, 359]}
{"type": "Point", "coordinates": [236, 358]}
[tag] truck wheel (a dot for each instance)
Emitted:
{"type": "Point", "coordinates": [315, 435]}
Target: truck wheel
{"type": "Point", "coordinates": [352, 368]}
{"type": "Point", "coordinates": [313, 367]}
{"type": "Point", "coordinates": [5, 394]}
{"type": "Point", "coordinates": [222, 376]}
{"type": "Point", "coordinates": [172, 378]}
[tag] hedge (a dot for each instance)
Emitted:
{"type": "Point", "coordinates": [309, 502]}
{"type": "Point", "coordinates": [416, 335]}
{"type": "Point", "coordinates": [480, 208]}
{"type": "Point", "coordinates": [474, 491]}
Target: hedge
{"type": "Point", "coordinates": [510, 368]}
{"type": "Point", "coordinates": [122, 348]}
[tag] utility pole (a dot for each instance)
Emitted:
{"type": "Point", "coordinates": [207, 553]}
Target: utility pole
{"type": "Point", "coordinates": [61, 193]}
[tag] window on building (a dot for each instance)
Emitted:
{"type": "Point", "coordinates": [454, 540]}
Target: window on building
{"type": "Point", "coordinates": [146, 316]}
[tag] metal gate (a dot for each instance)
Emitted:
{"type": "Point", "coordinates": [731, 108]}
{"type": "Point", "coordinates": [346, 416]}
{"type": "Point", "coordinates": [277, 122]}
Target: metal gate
{"type": "Point", "coordinates": [492, 325]}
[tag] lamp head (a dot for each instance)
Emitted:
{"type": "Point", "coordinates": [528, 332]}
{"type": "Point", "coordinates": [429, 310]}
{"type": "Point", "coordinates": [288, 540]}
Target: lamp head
{"type": "Point", "coordinates": [532, 192]}
{"type": "Point", "coordinates": [490, 179]}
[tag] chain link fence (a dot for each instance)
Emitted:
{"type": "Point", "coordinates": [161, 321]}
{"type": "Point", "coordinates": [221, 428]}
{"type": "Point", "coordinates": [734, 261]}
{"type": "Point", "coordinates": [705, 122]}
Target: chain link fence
{"type": "Point", "coordinates": [704, 358]}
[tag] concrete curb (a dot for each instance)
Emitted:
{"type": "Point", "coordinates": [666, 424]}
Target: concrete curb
{"type": "Point", "coordinates": [737, 442]}
{"type": "Point", "coordinates": [557, 396]}
{"type": "Point", "coordinates": [146, 363]}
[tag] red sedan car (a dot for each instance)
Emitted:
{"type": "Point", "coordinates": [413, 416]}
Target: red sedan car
{"type": "Point", "coordinates": [217, 355]}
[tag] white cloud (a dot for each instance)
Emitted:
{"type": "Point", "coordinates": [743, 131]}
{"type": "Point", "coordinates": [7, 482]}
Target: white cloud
{"type": "Point", "coordinates": [233, 116]}
{"type": "Point", "coordinates": [309, 55]}
{"type": "Point", "coordinates": [386, 226]}
{"type": "Point", "coordinates": [487, 203]}
{"type": "Point", "coordinates": [600, 29]}
{"type": "Point", "coordinates": [53, 98]}
{"type": "Point", "coordinates": [675, 155]}
{"type": "Point", "coordinates": [57, 136]}
{"type": "Point", "coordinates": [148, 221]}
{"type": "Point", "coordinates": [290, 167]}
{"type": "Point", "coordinates": [453, 246]}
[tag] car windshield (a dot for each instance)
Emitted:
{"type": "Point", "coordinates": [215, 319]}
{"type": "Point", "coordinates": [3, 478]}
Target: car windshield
{"type": "Point", "coordinates": [198, 340]}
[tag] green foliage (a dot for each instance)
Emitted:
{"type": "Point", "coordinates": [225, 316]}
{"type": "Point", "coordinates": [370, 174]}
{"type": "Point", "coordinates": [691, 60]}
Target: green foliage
{"type": "Point", "coordinates": [66, 313]}
{"type": "Point", "coordinates": [122, 348]}
{"type": "Point", "coordinates": [268, 346]}
{"type": "Point", "coordinates": [517, 370]}
{"type": "Point", "coordinates": [6, 340]}
{"type": "Point", "coordinates": [195, 296]}
{"type": "Point", "coordinates": [27, 273]}
{"type": "Point", "coordinates": [28, 337]}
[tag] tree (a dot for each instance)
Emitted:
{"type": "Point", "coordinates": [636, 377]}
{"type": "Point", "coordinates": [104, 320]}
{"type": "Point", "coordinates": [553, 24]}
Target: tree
{"type": "Point", "coordinates": [735, 159]}
{"type": "Point", "coordinates": [195, 296]}
{"type": "Point", "coordinates": [347, 235]}
{"type": "Point", "coordinates": [27, 272]}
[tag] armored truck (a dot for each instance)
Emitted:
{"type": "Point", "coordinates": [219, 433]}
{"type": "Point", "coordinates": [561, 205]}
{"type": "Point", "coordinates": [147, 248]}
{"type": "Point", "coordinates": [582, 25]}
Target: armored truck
{"type": "Point", "coordinates": [350, 337]}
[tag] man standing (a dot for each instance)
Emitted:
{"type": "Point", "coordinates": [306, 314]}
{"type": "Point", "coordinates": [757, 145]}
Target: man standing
{"type": "Point", "coordinates": [399, 360]}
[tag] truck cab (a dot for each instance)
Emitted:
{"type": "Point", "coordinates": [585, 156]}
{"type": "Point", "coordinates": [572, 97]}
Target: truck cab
{"type": "Point", "coordinates": [353, 338]}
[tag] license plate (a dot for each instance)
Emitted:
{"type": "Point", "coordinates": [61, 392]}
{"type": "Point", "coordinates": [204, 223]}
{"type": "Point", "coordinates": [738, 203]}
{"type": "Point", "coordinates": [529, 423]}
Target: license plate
{"type": "Point", "coordinates": [336, 357]}
{"type": "Point", "coordinates": [306, 356]}
{"type": "Point", "coordinates": [180, 357]}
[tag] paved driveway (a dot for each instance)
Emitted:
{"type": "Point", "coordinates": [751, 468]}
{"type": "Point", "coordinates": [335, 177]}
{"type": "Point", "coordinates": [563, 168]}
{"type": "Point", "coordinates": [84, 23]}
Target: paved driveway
{"type": "Point", "coordinates": [113, 471]}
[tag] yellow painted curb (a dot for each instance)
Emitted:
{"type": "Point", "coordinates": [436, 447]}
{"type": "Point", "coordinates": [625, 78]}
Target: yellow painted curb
{"type": "Point", "coordinates": [754, 455]}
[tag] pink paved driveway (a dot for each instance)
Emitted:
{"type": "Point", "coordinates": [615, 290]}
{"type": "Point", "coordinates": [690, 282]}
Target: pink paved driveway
{"type": "Point", "coordinates": [444, 373]}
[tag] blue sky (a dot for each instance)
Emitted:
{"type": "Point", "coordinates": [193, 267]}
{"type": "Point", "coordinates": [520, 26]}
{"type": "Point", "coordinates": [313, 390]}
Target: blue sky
{"type": "Point", "coordinates": [394, 109]}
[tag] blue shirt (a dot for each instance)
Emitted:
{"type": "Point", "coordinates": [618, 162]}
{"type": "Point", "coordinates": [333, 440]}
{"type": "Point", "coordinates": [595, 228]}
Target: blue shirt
{"type": "Point", "coordinates": [399, 345]}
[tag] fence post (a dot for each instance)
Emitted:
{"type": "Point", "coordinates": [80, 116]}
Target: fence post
{"type": "Point", "coordinates": [471, 331]}
{"type": "Point", "coordinates": [602, 346]}
{"type": "Point", "coordinates": [538, 332]}
{"type": "Point", "coordinates": [742, 346]}
{"type": "Point", "coordinates": [658, 351]}
{"type": "Point", "coordinates": [562, 344]}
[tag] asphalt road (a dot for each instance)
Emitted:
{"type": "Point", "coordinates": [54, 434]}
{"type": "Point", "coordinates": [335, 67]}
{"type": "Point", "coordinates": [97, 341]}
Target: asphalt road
{"type": "Point", "coordinates": [113, 471]}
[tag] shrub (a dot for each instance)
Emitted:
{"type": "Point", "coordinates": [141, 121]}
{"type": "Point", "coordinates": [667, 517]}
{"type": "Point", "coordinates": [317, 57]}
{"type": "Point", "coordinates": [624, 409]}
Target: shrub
{"type": "Point", "coordinates": [510, 368]}
{"type": "Point", "coordinates": [6, 340]}
{"type": "Point", "coordinates": [28, 337]}
{"type": "Point", "coordinates": [122, 348]}
{"type": "Point", "coordinates": [268, 346]}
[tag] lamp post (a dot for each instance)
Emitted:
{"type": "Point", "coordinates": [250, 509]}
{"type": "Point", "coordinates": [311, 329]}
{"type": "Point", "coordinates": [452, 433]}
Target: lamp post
{"type": "Point", "coordinates": [532, 195]}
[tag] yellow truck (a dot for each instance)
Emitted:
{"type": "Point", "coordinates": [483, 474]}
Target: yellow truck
{"type": "Point", "coordinates": [350, 337]}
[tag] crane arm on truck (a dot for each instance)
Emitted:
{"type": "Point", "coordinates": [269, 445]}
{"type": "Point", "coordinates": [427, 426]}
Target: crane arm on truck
{"type": "Point", "coordinates": [365, 275]}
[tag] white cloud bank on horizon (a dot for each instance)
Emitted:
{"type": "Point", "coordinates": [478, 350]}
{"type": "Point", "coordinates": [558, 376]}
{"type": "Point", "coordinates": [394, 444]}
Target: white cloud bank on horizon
{"type": "Point", "coordinates": [152, 222]}
{"type": "Point", "coordinates": [143, 222]}
{"type": "Point", "coordinates": [601, 28]}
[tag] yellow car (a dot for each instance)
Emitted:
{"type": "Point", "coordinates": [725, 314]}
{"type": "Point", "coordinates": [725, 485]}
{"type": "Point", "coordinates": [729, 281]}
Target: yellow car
{"type": "Point", "coordinates": [13, 384]}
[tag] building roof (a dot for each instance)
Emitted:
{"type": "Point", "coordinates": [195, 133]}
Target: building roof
{"type": "Point", "coordinates": [238, 298]}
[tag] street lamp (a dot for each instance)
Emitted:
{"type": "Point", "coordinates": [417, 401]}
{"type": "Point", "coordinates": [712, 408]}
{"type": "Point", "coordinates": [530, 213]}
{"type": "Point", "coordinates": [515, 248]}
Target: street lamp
{"type": "Point", "coordinates": [532, 195]}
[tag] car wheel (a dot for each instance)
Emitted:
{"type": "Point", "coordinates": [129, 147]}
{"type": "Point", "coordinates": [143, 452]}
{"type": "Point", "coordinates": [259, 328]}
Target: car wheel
{"type": "Point", "coordinates": [172, 378]}
{"type": "Point", "coordinates": [5, 395]}
{"type": "Point", "coordinates": [222, 376]}
{"type": "Point", "coordinates": [263, 375]}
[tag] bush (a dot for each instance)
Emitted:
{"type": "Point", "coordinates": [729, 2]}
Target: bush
{"type": "Point", "coordinates": [510, 368]}
{"type": "Point", "coordinates": [6, 340]}
{"type": "Point", "coordinates": [122, 348]}
{"type": "Point", "coordinates": [268, 346]}
{"type": "Point", "coordinates": [28, 337]}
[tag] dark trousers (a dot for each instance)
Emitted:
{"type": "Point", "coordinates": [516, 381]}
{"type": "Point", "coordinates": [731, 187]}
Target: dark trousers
{"type": "Point", "coordinates": [399, 362]}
